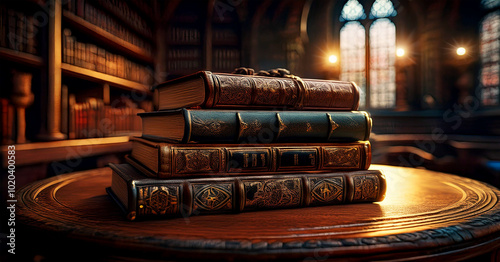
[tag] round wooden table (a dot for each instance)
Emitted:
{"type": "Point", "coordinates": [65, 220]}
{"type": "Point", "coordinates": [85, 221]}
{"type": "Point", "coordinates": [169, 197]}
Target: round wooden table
{"type": "Point", "coordinates": [426, 216]}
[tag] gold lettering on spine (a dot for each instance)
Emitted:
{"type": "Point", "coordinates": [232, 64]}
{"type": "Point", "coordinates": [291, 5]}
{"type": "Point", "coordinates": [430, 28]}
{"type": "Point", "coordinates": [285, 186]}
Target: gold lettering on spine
{"type": "Point", "coordinates": [245, 160]}
{"type": "Point", "coordinates": [263, 159]}
{"type": "Point", "coordinates": [295, 159]}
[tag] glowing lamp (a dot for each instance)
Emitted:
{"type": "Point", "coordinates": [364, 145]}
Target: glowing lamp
{"type": "Point", "coordinates": [332, 59]}
{"type": "Point", "coordinates": [461, 51]}
{"type": "Point", "coordinates": [400, 52]}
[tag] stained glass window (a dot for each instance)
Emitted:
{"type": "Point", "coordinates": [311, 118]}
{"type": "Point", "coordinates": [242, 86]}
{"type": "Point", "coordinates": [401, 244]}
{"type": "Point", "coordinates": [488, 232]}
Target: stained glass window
{"type": "Point", "coordinates": [382, 48]}
{"type": "Point", "coordinates": [352, 10]}
{"type": "Point", "coordinates": [382, 8]}
{"type": "Point", "coordinates": [382, 58]}
{"type": "Point", "coordinates": [352, 56]}
{"type": "Point", "coordinates": [490, 59]}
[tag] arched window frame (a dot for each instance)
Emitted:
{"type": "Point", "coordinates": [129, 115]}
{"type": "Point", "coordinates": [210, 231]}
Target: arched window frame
{"type": "Point", "coordinates": [367, 20]}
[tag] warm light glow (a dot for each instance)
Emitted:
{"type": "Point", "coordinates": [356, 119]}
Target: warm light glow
{"type": "Point", "coordinates": [332, 59]}
{"type": "Point", "coordinates": [460, 51]}
{"type": "Point", "coordinates": [400, 52]}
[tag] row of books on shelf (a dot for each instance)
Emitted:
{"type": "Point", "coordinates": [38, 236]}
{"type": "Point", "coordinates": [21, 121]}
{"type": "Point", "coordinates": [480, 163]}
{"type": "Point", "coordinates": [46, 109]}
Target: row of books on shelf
{"type": "Point", "coordinates": [189, 35]}
{"type": "Point", "coordinates": [181, 35]}
{"type": "Point", "coordinates": [184, 53]}
{"type": "Point", "coordinates": [182, 65]}
{"type": "Point", "coordinates": [93, 118]}
{"type": "Point", "coordinates": [226, 58]}
{"type": "Point", "coordinates": [98, 59]}
{"type": "Point", "coordinates": [225, 35]}
{"type": "Point", "coordinates": [247, 155]}
{"type": "Point", "coordinates": [107, 22]}
{"type": "Point", "coordinates": [118, 8]}
{"type": "Point", "coordinates": [18, 30]}
{"type": "Point", "coordinates": [127, 13]}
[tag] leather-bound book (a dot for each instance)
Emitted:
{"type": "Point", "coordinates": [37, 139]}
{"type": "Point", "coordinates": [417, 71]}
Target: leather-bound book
{"type": "Point", "coordinates": [246, 126]}
{"type": "Point", "coordinates": [143, 197]}
{"type": "Point", "coordinates": [166, 160]}
{"type": "Point", "coordinates": [217, 90]}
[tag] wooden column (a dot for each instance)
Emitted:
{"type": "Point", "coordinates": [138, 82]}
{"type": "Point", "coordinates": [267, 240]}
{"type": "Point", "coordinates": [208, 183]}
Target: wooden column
{"type": "Point", "coordinates": [53, 129]}
{"type": "Point", "coordinates": [21, 98]}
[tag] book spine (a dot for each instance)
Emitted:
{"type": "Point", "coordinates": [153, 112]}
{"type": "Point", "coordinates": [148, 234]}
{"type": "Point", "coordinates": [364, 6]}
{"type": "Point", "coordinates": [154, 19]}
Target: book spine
{"type": "Point", "coordinates": [178, 161]}
{"type": "Point", "coordinates": [229, 91]}
{"type": "Point", "coordinates": [192, 197]}
{"type": "Point", "coordinates": [258, 127]}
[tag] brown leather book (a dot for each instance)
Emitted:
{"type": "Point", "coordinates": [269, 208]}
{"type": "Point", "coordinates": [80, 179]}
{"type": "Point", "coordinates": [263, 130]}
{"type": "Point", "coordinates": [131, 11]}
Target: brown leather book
{"type": "Point", "coordinates": [255, 126]}
{"type": "Point", "coordinates": [143, 197]}
{"type": "Point", "coordinates": [165, 160]}
{"type": "Point", "coordinates": [217, 90]}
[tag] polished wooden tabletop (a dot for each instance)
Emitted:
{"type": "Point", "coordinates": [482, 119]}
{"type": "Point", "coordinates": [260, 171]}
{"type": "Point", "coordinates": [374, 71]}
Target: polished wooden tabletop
{"type": "Point", "coordinates": [426, 215]}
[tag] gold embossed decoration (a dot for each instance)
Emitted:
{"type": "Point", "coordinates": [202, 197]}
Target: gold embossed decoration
{"type": "Point", "coordinates": [342, 157]}
{"type": "Point", "coordinates": [208, 127]}
{"type": "Point", "coordinates": [248, 129]}
{"type": "Point", "coordinates": [235, 90]}
{"type": "Point", "coordinates": [281, 124]}
{"type": "Point", "coordinates": [196, 161]}
{"type": "Point", "coordinates": [320, 93]}
{"type": "Point", "coordinates": [273, 193]}
{"type": "Point", "coordinates": [158, 200]}
{"type": "Point", "coordinates": [333, 126]}
{"type": "Point", "coordinates": [268, 92]}
{"type": "Point", "coordinates": [213, 197]}
{"type": "Point", "coordinates": [365, 188]}
{"type": "Point", "coordinates": [326, 190]}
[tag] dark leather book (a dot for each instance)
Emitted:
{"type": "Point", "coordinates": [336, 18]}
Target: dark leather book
{"type": "Point", "coordinates": [143, 197]}
{"type": "Point", "coordinates": [166, 160]}
{"type": "Point", "coordinates": [256, 127]}
{"type": "Point", "coordinates": [217, 90]}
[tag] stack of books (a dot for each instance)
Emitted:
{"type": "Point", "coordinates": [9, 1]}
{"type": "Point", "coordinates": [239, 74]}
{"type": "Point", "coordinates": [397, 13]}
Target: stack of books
{"type": "Point", "coordinates": [229, 143]}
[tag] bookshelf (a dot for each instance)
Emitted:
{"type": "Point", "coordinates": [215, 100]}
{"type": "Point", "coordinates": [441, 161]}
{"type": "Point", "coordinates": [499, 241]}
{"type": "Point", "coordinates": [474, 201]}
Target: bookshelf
{"type": "Point", "coordinates": [20, 57]}
{"type": "Point", "coordinates": [69, 97]}
{"type": "Point", "coordinates": [226, 42]}
{"type": "Point", "coordinates": [200, 39]}
{"type": "Point", "coordinates": [106, 37]}
{"type": "Point", "coordinates": [185, 37]}
{"type": "Point", "coordinates": [99, 77]}
{"type": "Point", "coordinates": [90, 54]}
{"type": "Point", "coordinates": [42, 152]}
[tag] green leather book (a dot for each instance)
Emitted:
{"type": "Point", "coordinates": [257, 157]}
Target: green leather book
{"type": "Point", "coordinates": [255, 127]}
{"type": "Point", "coordinates": [167, 160]}
{"type": "Point", "coordinates": [143, 197]}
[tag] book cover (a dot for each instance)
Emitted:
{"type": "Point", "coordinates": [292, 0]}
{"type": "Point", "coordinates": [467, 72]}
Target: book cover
{"type": "Point", "coordinates": [142, 197]}
{"type": "Point", "coordinates": [256, 127]}
{"type": "Point", "coordinates": [167, 160]}
{"type": "Point", "coordinates": [218, 90]}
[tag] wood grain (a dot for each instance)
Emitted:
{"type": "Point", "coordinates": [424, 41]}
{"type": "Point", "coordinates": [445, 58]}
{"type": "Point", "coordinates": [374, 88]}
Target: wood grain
{"type": "Point", "coordinates": [40, 152]}
{"type": "Point", "coordinates": [425, 216]}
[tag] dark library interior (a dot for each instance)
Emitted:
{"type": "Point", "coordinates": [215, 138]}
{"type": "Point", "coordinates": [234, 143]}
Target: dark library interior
{"type": "Point", "coordinates": [75, 73]}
